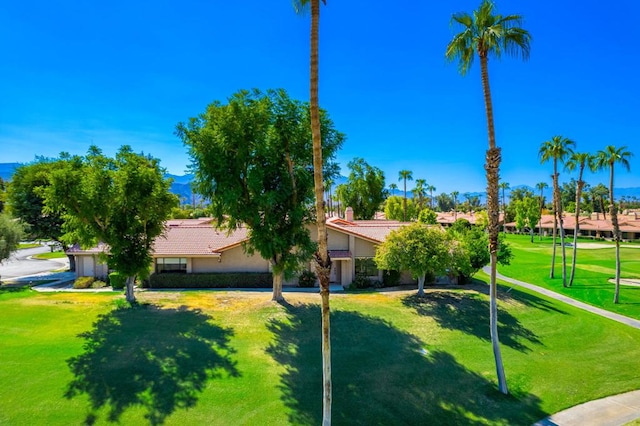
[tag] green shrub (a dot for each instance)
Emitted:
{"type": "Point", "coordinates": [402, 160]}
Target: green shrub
{"type": "Point", "coordinates": [307, 279]}
{"type": "Point", "coordinates": [98, 284]}
{"type": "Point", "coordinates": [390, 278]}
{"type": "Point", "coordinates": [117, 280]}
{"type": "Point", "coordinates": [360, 282]}
{"type": "Point", "coordinates": [83, 282]}
{"type": "Point", "coordinates": [212, 280]}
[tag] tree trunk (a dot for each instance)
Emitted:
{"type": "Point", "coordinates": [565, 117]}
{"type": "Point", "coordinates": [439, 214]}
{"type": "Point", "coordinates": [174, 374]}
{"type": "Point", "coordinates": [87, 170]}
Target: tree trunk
{"type": "Point", "coordinates": [531, 232]}
{"type": "Point", "coordinates": [131, 298]}
{"type": "Point", "coordinates": [277, 287]}
{"type": "Point", "coordinates": [563, 249]}
{"type": "Point", "coordinates": [492, 168]}
{"type": "Point", "coordinates": [323, 262]}
{"type": "Point", "coordinates": [421, 284]}
{"type": "Point", "coordinates": [616, 233]}
{"type": "Point", "coordinates": [556, 195]}
{"type": "Point", "coordinates": [576, 228]}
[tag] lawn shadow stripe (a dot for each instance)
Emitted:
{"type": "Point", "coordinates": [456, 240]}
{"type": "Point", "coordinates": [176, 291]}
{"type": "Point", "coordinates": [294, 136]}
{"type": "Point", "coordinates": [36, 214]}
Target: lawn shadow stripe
{"type": "Point", "coordinates": [145, 355]}
{"type": "Point", "coordinates": [383, 375]}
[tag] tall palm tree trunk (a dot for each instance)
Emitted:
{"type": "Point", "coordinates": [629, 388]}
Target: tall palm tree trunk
{"type": "Point", "coordinates": [576, 228]}
{"type": "Point", "coordinates": [613, 212]}
{"type": "Point", "coordinates": [492, 168]}
{"type": "Point", "coordinates": [556, 195]}
{"type": "Point", "coordinates": [323, 262]}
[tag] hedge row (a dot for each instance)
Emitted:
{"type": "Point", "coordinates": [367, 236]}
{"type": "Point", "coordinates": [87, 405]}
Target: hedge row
{"type": "Point", "coordinates": [212, 280]}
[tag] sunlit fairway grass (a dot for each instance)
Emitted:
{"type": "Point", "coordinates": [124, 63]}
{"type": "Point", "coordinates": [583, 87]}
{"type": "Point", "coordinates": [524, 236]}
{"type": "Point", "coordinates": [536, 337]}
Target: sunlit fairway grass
{"type": "Point", "coordinates": [223, 358]}
{"type": "Point", "coordinates": [594, 268]}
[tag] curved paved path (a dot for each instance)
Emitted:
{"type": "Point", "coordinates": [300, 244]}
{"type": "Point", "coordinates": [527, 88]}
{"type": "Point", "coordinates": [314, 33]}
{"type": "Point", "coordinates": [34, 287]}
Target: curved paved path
{"type": "Point", "coordinates": [613, 410]}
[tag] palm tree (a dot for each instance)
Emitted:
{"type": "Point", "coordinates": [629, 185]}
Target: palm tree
{"type": "Point", "coordinates": [454, 195]}
{"type": "Point", "coordinates": [431, 188]}
{"type": "Point", "coordinates": [392, 188]}
{"type": "Point", "coordinates": [540, 186]}
{"type": "Point", "coordinates": [607, 158]}
{"type": "Point", "coordinates": [487, 34]}
{"type": "Point", "coordinates": [578, 160]}
{"type": "Point", "coordinates": [557, 149]}
{"type": "Point", "coordinates": [323, 261]}
{"type": "Point", "coordinates": [504, 186]}
{"type": "Point", "coordinates": [405, 175]}
{"type": "Point", "coordinates": [328, 184]}
{"type": "Point", "coordinates": [419, 192]}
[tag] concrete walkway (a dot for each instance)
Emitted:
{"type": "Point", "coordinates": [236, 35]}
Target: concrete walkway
{"type": "Point", "coordinates": [615, 410]}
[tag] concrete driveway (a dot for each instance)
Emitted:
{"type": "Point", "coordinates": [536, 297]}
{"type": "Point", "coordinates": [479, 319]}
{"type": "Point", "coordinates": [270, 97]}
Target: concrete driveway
{"type": "Point", "coordinates": [21, 264]}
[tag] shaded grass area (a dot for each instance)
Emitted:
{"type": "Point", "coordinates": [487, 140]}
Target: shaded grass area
{"type": "Point", "coordinates": [594, 268]}
{"type": "Point", "coordinates": [237, 358]}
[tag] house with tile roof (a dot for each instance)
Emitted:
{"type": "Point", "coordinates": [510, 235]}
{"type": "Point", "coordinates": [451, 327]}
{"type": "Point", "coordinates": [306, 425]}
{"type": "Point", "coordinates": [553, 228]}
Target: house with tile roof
{"type": "Point", "coordinates": [196, 246]}
{"type": "Point", "coordinates": [595, 226]}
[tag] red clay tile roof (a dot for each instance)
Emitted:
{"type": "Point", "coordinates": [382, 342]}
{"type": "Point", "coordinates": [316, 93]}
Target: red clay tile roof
{"type": "Point", "coordinates": [375, 231]}
{"type": "Point", "coordinates": [197, 240]}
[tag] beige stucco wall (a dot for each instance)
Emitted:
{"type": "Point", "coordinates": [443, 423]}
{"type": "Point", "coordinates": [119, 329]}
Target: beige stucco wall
{"type": "Point", "coordinates": [364, 248]}
{"type": "Point", "coordinates": [89, 265]}
{"type": "Point", "coordinates": [337, 240]}
{"type": "Point", "coordinates": [234, 260]}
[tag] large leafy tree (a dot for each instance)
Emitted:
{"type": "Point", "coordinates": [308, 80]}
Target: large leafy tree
{"type": "Point", "coordinates": [393, 208]}
{"type": "Point", "coordinates": [421, 249]}
{"type": "Point", "coordinates": [527, 214]}
{"type": "Point", "coordinates": [364, 190]}
{"type": "Point", "coordinates": [405, 175]}
{"type": "Point", "coordinates": [122, 201]}
{"type": "Point", "coordinates": [607, 159]}
{"type": "Point", "coordinates": [578, 160]}
{"type": "Point", "coordinates": [26, 200]}
{"type": "Point", "coordinates": [557, 150]}
{"type": "Point", "coordinates": [486, 34]}
{"type": "Point", "coordinates": [11, 232]}
{"type": "Point", "coordinates": [252, 158]}
{"type": "Point", "coordinates": [323, 261]}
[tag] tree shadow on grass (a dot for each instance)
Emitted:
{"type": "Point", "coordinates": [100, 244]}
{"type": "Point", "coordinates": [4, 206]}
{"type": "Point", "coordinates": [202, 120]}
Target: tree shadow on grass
{"type": "Point", "coordinates": [382, 375]}
{"type": "Point", "coordinates": [469, 313]}
{"type": "Point", "coordinates": [147, 356]}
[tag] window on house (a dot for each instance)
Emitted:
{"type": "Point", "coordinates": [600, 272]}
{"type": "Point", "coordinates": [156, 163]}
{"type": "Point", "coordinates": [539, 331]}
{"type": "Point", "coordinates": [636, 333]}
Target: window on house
{"type": "Point", "coordinates": [171, 265]}
{"type": "Point", "coordinates": [366, 267]}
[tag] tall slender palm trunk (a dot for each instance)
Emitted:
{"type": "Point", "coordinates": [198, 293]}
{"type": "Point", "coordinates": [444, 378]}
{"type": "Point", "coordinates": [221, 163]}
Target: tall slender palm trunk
{"type": "Point", "coordinates": [556, 195]}
{"type": "Point", "coordinates": [563, 249]}
{"type": "Point", "coordinates": [576, 228]}
{"type": "Point", "coordinates": [492, 167]}
{"type": "Point", "coordinates": [613, 212]}
{"type": "Point", "coordinates": [323, 262]}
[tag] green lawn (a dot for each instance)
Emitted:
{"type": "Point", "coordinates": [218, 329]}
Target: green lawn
{"type": "Point", "coordinates": [51, 255]}
{"type": "Point", "coordinates": [28, 245]}
{"type": "Point", "coordinates": [532, 263]}
{"type": "Point", "coordinates": [203, 357]}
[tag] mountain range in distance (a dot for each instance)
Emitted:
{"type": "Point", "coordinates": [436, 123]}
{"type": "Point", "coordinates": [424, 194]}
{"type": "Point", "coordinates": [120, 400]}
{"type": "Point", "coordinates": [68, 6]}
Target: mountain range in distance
{"type": "Point", "coordinates": [181, 186]}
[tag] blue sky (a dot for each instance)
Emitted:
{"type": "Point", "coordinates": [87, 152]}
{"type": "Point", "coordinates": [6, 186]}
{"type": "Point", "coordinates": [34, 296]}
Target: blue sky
{"type": "Point", "coordinates": [75, 73]}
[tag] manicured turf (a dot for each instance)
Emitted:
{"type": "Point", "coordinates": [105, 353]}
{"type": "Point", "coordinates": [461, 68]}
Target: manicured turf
{"type": "Point", "coordinates": [225, 358]}
{"type": "Point", "coordinates": [532, 263]}
{"type": "Point", "coordinates": [51, 255]}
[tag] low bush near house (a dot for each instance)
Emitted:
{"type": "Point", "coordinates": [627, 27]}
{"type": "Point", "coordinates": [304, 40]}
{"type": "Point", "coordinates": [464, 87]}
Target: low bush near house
{"type": "Point", "coordinates": [307, 279]}
{"type": "Point", "coordinates": [390, 278]}
{"type": "Point", "coordinates": [117, 280]}
{"type": "Point", "coordinates": [360, 282]}
{"type": "Point", "coordinates": [212, 280]}
{"type": "Point", "coordinates": [83, 282]}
